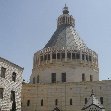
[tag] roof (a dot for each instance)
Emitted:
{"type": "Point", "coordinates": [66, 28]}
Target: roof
{"type": "Point", "coordinates": [2, 59]}
{"type": "Point", "coordinates": [93, 101]}
{"type": "Point", "coordinates": [66, 36]}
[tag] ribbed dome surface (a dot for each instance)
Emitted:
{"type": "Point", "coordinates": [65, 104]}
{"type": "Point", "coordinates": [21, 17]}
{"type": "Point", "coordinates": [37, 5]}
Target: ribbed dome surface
{"type": "Point", "coordinates": [66, 36]}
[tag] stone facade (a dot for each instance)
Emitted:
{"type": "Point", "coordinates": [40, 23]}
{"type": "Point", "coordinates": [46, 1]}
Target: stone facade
{"type": "Point", "coordinates": [63, 92]}
{"type": "Point", "coordinates": [10, 86]}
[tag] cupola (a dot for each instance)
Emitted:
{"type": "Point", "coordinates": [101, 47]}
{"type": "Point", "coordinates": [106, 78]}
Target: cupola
{"type": "Point", "coordinates": [65, 18]}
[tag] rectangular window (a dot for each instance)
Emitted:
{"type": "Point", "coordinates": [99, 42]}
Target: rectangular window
{"type": "Point", "coordinates": [91, 77]}
{"type": "Point", "coordinates": [28, 102]}
{"type": "Point", "coordinates": [101, 100]}
{"type": "Point", "coordinates": [70, 101]}
{"type": "Point", "coordinates": [56, 102]}
{"type": "Point", "coordinates": [85, 100]}
{"type": "Point", "coordinates": [53, 77]}
{"type": "Point", "coordinates": [63, 77]}
{"type": "Point", "coordinates": [3, 71]}
{"type": "Point", "coordinates": [1, 93]}
{"type": "Point", "coordinates": [12, 95]}
{"type": "Point", "coordinates": [42, 102]}
{"type": "Point", "coordinates": [14, 76]}
{"type": "Point", "coordinates": [83, 77]}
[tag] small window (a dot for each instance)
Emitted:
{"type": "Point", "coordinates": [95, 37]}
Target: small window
{"type": "Point", "coordinates": [33, 80]}
{"type": "Point", "coordinates": [58, 55]}
{"type": "Point", "coordinates": [14, 76]}
{"type": "Point", "coordinates": [1, 93]}
{"type": "Point", "coordinates": [91, 77]}
{"type": "Point", "coordinates": [3, 71]}
{"type": "Point", "coordinates": [70, 101]}
{"type": "Point", "coordinates": [42, 102]}
{"type": "Point", "coordinates": [38, 79]}
{"type": "Point", "coordinates": [12, 95]}
{"type": "Point", "coordinates": [28, 102]}
{"type": "Point", "coordinates": [63, 77]}
{"type": "Point", "coordinates": [85, 100]}
{"type": "Point", "coordinates": [53, 56]}
{"type": "Point", "coordinates": [53, 77]}
{"type": "Point", "coordinates": [56, 102]}
{"type": "Point", "coordinates": [101, 100]}
{"type": "Point", "coordinates": [83, 77]}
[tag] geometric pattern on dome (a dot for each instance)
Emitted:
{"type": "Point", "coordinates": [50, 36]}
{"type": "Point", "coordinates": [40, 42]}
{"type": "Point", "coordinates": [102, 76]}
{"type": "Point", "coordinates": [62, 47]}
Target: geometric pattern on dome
{"type": "Point", "coordinates": [66, 36]}
{"type": "Point", "coordinates": [93, 101]}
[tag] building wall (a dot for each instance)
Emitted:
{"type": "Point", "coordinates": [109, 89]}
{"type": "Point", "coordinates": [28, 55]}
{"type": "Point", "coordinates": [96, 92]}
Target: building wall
{"type": "Point", "coordinates": [8, 85]}
{"type": "Point", "coordinates": [77, 91]}
{"type": "Point", "coordinates": [73, 72]}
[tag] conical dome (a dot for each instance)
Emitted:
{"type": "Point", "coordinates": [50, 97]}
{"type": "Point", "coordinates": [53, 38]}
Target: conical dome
{"type": "Point", "coordinates": [65, 34]}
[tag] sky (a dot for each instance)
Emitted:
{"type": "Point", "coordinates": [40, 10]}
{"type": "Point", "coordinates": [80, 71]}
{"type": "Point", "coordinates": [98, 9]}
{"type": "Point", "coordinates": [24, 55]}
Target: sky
{"type": "Point", "coordinates": [27, 25]}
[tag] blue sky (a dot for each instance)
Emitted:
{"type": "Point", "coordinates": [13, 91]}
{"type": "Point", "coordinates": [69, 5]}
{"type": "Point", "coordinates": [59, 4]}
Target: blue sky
{"type": "Point", "coordinates": [27, 25]}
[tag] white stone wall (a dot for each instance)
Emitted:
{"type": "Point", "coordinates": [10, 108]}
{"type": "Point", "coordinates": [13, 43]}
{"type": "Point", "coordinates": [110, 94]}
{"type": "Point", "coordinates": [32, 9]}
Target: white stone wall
{"type": "Point", "coordinates": [8, 85]}
{"type": "Point", "coordinates": [78, 91]}
{"type": "Point", "coordinates": [73, 72]}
